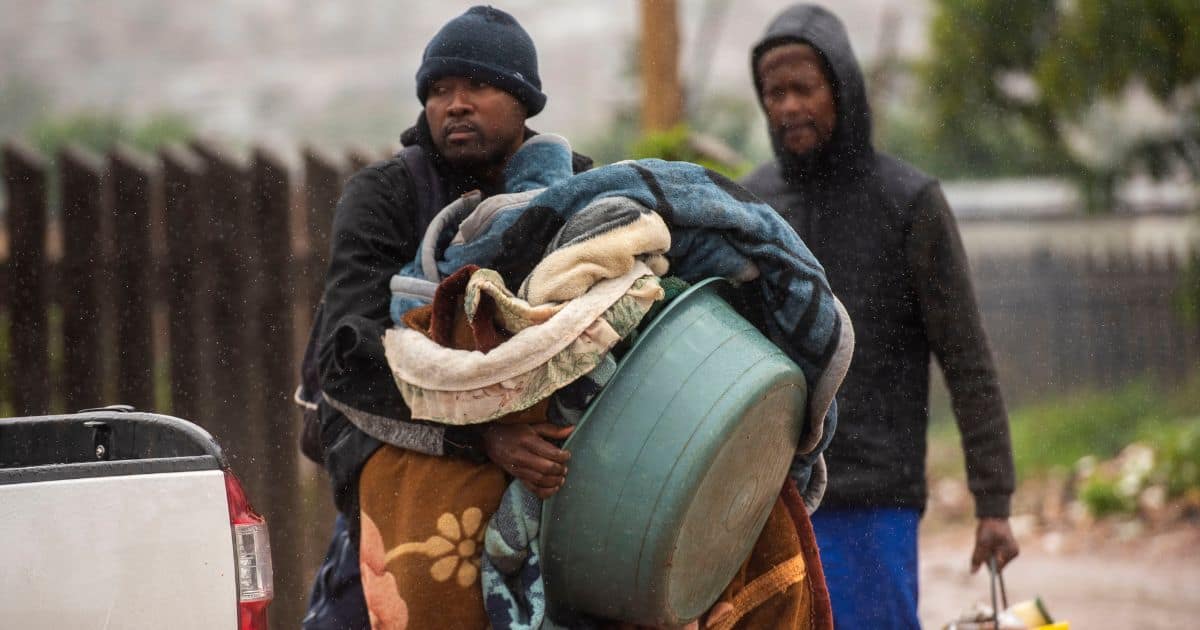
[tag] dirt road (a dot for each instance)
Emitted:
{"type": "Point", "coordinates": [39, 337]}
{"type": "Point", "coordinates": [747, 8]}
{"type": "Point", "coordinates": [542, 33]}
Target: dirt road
{"type": "Point", "coordinates": [1103, 580]}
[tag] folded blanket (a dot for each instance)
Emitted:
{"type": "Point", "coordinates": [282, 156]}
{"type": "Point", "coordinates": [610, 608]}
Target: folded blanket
{"type": "Point", "coordinates": [715, 228]}
{"type": "Point", "coordinates": [541, 237]}
{"type": "Point", "coordinates": [551, 347]}
{"type": "Point", "coordinates": [583, 231]}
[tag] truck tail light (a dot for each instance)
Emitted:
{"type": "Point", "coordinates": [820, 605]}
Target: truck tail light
{"type": "Point", "coordinates": [252, 549]}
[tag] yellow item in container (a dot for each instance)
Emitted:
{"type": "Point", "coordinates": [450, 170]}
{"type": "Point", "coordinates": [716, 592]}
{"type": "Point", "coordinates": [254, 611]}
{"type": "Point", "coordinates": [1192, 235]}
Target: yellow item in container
{"type": "Point", "coordinates": [1032, 613]}
{"type": "Point", "coordinates": [1062, 625]}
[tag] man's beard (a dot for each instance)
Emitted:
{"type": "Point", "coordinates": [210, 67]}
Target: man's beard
{"type": "Point", "coordinates": [484, 151]}
{"type": "Point", "coordinates": [477, 156]}
{"type": "Point", "coordinates": [796, 165]}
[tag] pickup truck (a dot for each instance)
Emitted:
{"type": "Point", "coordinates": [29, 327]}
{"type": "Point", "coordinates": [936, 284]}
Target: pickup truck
{"type": "Point", "coordinates": [111, 518]}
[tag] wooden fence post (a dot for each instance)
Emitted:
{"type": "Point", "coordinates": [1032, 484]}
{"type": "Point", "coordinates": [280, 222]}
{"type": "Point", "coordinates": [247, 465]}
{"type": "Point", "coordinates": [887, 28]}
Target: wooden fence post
{"type": "Point", "coordinates": [83, 272]}
{"type": "Point", "coordinates": [323, 177]}
{"type": "Point", "coordinates": [359, 158]}
{"type": "Point", "coordinates": [25, 175]}
{"type": "Point", "coordinates": [226, 190]}
{"type": "Point", "coordinates": [276, 274]}
{"type": "Point", "coordinates": [182, 173]}
{"type": "Point", "coordinates": [135, 191]}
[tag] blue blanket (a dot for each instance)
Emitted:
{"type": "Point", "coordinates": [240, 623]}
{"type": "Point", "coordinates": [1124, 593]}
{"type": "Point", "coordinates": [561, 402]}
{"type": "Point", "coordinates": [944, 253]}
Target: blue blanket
{"type": "Point", "coordinates": [716, 229]}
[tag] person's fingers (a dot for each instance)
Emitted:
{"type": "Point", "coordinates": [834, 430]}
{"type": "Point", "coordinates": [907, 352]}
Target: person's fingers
{"type": "Point", "coordinates": [984, 549]}
{"type": "Point", "coordinates": [545, 450]}
{"type": "Point", "coordinates": [523, 452]}
{"type": "Point", "coordinates": [1007, 552]}
{"type": "Point", "coordinates": [537, 478]}
{"type": "Point", "coordinates": [978, 557]}
{"type": "Point", "coordinates": [533, 460]}
{"type": "Point", "coordinates": [987, 536]}
{"type": "Point", "coordinates": [552, 431]}
{"type": "Point", "coordinates": [991, 545]}
{"type": "Point", "coordinates": [538, 472]}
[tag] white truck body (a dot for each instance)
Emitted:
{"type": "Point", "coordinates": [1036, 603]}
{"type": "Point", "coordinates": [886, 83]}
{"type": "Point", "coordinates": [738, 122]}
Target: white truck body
{"type": "Point", "coordinates": [139, 539]}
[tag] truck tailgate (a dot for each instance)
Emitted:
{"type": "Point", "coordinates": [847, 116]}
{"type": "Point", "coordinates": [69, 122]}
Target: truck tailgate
{"type": "Point", "coordinates": [130, 551]}
{"type": "Point", "coordinates": [118, 519]}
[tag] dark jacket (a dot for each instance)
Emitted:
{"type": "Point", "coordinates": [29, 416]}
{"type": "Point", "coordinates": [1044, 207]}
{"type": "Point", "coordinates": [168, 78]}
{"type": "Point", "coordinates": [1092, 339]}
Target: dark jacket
{"type": "Point", "coordinates": [892, 252]}
{"type": "Point", "coordinates": [379, 221]}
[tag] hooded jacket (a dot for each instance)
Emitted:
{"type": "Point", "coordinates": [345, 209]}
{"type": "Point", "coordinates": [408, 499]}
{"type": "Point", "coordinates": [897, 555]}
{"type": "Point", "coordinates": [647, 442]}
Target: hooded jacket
{"type": "Point", "coordinates": [892, 253]}
{"type": "Point", "coordinates": [378, 224]}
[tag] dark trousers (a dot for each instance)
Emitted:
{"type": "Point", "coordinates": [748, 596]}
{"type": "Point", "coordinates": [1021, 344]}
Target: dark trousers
{"type": "Point", "coordinates": [337, 602]}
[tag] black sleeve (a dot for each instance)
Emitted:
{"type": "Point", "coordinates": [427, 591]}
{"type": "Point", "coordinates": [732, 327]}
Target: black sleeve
{"type": "Point", "coordinates": [956, 336]}
{"type": "Point", "coordinates": [373, 236]}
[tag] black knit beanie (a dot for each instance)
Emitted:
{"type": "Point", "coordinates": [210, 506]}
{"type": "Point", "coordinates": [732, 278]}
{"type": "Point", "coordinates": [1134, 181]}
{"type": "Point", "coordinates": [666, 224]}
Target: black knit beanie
{"type": "Point", "coordinates": [489, 45]}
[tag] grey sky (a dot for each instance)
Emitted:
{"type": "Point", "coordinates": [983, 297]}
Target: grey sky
{"type": "Point", "coordinates": [282, 70]}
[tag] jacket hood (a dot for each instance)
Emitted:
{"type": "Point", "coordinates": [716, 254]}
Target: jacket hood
{"type": "Point", "coordinates": [850, 146]}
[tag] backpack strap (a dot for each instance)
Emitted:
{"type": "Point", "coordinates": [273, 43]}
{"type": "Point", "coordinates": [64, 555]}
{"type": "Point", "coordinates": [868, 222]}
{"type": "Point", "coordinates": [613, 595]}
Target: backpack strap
{"type": "Point", "coordinates": [308, 395]}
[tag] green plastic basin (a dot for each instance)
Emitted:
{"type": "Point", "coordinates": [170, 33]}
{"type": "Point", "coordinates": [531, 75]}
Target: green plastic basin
{"type": "Point", "coordinates": [674, 468]}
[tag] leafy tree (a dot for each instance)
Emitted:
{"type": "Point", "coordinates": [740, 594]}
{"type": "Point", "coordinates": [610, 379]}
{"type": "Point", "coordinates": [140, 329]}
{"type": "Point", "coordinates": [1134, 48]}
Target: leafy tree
{"type": "Point", "coordinates": [1055, 73]}
{"type": "Point", "coordinates": [988, 146]}
{"type": "Point", "coordinates": [681, 144]}
{"type": "Point", "coordinates": [723, 120]}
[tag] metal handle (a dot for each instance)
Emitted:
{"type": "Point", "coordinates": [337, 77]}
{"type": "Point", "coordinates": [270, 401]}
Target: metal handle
{"type": "Point", "coordinates": [996, 577]}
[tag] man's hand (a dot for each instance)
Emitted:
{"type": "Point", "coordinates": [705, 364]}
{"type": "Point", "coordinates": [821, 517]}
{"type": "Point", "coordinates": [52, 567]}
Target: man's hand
{"type": "Point", "coordinates": [993, 539]}
{"type": "Point", "coordinates": [524, 451]}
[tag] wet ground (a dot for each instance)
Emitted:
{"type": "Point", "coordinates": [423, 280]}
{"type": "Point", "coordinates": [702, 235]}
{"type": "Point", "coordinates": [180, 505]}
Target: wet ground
{"type": "Point", "coordinates": [1104, 579]}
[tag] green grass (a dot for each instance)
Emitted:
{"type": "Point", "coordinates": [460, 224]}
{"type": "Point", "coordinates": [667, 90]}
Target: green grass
{"type": "Point", "coordinates": [1102, 498]}
{"type": "Point", "coordinates": [1179, 458]}
{"type": "Point", "coordinates": [1054, 434]}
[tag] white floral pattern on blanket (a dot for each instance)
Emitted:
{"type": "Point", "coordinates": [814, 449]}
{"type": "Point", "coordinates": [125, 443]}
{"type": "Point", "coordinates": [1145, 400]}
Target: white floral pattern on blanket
{"type": "Point", "coordinates": [523, 390]}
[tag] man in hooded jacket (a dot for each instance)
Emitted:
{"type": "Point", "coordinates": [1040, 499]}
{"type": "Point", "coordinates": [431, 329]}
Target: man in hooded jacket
{"type": "Point", "coordinates": [892, 252]}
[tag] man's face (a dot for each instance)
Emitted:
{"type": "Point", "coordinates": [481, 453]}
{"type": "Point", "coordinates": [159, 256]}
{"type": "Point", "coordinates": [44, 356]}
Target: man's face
{"type": "Point", "coordinates": [473, 123]}
{"type": "Point", "coordinates": [798, 97]}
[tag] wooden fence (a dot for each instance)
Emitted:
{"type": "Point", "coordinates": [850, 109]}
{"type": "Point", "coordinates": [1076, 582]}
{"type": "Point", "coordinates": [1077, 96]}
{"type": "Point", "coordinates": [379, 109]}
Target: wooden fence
{"type": "Point", "coordinates": [184, 283]}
